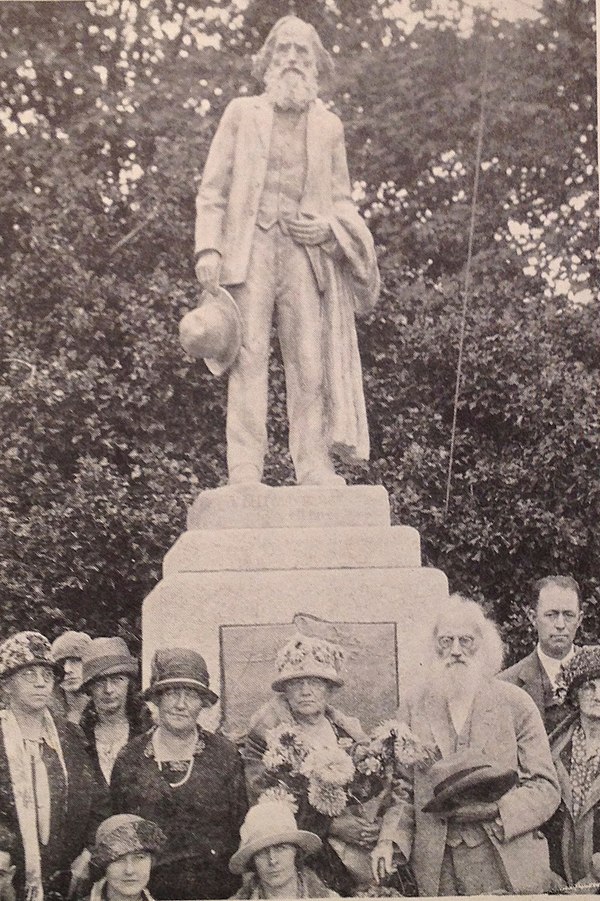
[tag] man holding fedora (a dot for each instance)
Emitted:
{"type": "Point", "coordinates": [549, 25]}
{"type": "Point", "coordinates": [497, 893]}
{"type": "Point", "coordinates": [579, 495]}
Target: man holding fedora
{"type": "Point", "coordinates": [276, 225]}
{"type": "Point", "coordinates": [470, 825]}
{"type": "Point", "coordinates": [188, 781]}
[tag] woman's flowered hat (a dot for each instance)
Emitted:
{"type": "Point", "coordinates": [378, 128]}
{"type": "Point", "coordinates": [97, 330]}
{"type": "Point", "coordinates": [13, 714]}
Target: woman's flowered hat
{"type": "Point", "coordinates": [125, 833]}
{"type": "Point", "coordinates": [304, 657]}
{"type": "Point", "coordinates": [583, 666]}
{"type": "Point", "coordinates": [24, 649]}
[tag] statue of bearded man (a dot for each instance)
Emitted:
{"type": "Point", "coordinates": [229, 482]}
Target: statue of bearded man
{"type": "Point", "coordinates": [276, 226]}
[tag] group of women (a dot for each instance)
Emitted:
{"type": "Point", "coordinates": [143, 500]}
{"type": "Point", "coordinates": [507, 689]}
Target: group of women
{"type": "Point", "coordinates": [114, 796]}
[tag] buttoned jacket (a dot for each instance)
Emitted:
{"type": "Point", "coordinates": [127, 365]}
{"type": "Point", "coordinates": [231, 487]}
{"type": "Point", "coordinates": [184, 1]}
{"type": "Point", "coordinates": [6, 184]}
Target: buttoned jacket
{"type": "Point", "coordinates": [505, 726]}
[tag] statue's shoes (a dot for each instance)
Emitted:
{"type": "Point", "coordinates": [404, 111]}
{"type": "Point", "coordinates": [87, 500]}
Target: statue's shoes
{"type": "Point", "coordinates": [326, 478]}
{"type": "Point", "coordinates": [245, 474]}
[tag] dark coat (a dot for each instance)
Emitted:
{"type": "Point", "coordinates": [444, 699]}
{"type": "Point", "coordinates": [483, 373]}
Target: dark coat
{"type": "Point", "coordinates": [140, 721]}
{"type": "Point", "coordinates": [201, 818]}
{"type": "Point", "coordinates": [72, 825]}
{"type": "Point", "coordinates": [529, 674]}
{"type": "Point", "coordinates": [572, 842]}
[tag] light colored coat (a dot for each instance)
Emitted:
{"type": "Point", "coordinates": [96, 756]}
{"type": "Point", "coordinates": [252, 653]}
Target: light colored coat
{"type": "Point", "coordinates": [346, 273]}
{"type": "Point", "coordinates": [507, 727]}
{"type": "Point", "coordinates": [234, 175]}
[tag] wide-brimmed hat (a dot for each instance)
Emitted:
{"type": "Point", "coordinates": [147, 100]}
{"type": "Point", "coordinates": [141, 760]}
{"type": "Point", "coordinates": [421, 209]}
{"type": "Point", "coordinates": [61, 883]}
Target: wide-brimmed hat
{"type": "Point", "coordinates": [583, 666]}
{"type": "Point", "coordinates": [213, 331]}
{"type": "Point", "coordinates": [179, 667]}
{"type": "Point", "coordinates": [467, 776]}
{"type": "Point", "coordinates": [304, 656]}
{"type": "Point", "coordinates": [125, 833]}
{"type": "Point", "coordinates": [107, 657]}
{"type": "Point", "coordinates": [270, 823]}
{"type": "Point", "coordinates": [69, 644]}
{"type": "Point", "coordinates": [24, 649]}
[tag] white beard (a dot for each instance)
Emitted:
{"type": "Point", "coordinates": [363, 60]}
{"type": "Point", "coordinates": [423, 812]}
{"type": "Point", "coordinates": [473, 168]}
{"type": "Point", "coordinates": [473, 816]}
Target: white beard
{"type": "Point", "coordinates": [457, 681]}
{"type": "Point", "coordinates": [292, 90]}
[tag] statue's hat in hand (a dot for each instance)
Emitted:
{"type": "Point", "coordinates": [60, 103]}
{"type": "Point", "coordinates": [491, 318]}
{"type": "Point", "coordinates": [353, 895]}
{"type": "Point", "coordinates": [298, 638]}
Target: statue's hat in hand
{"type": "Point", "coordinates": [213, 331]}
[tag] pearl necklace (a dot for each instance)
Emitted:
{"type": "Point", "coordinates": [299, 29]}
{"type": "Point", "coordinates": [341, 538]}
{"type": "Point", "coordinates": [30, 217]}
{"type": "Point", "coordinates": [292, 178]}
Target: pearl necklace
{"type": "Point", "coordinates": [160, 758]}
{"type": "Point", "coordinates": [188, 773]}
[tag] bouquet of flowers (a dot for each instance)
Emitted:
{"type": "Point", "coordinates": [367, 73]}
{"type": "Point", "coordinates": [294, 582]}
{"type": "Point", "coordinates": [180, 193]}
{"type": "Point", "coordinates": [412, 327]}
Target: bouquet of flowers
{"type": "Point", "coordinates": [321, 775]}
{"type": "Point", "coordinates": [330, 778]}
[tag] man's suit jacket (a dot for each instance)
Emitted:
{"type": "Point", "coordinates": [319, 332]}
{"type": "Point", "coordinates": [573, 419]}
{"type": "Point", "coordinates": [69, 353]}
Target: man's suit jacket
{"type": "Point", "coordinates": [229, 196]}
{"type": "Point", "coordinates": [529, 674]}
{"type": "Point", "coordinates": [507, 727]}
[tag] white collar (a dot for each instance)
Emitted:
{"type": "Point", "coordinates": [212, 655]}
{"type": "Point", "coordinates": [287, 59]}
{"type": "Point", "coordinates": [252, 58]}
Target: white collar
{"type": "Point", "coordinates": [552, 665]}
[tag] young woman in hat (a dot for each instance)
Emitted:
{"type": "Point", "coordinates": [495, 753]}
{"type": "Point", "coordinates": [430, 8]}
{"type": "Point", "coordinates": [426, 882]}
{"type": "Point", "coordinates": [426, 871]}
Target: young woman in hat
{"type": "Point", "coordinates": [115, 713]}
{"type": "Point", "coordinates": [187, 780]}
{"type": "Point", "coordinates": [70, 699]}
{"type": "Point", "coordinates": [123, 853]}
{"type": "Point", "coordinates": [269, 855]}
{"type": "Point", "coordinates": [574, 831]}
{"type": "Point", "coordinates": [48, 796]}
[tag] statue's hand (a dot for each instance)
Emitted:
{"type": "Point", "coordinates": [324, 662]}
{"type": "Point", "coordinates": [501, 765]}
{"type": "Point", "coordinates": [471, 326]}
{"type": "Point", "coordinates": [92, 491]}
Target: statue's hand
{"type": "Point", "coordinates": [310, 229]}
{"type": "Point", "coordinates": [208, 270]}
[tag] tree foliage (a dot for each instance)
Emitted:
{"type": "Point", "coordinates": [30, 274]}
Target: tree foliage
{"type": "Point", "coordinates": [109, 431]}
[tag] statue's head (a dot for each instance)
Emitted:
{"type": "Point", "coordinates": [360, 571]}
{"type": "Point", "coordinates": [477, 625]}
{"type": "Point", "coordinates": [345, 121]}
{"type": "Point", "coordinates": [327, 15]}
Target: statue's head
{"type": "Point", "coordinates": [292, 63]}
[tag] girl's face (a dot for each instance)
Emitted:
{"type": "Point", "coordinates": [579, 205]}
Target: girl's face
{"type": "Point", "coordinates": [109, 694]}
{"type": "Point", "coordinates": [276, 865]}
{"type": "Point", "coordinates": [128, 876]}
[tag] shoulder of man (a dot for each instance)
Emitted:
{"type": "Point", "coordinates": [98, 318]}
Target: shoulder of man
{"type": "Point", "coordinates": [515, 696]}
{"type": "Point", "coordinates": [513, 673]}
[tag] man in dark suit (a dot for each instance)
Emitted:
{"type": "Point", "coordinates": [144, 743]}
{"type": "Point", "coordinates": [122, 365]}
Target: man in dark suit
{"type": "Point", "coordinates": [556, 617]}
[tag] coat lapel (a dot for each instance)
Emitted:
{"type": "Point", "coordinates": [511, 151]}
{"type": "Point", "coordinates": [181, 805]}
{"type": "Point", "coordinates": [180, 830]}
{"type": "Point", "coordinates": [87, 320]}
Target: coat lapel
{"type": "Point", "coordinates": [313, 197]}
{"type": "Point", "coordinates": [531, 679]}
{"type": "Point", "coordinates": [263, 117]}
{"type": "Point", "coordinates": [558, 753]}
{"type": "Point", "coordinates": [483, 722]}
{"type": "Point", "coordinates": [435, 715]}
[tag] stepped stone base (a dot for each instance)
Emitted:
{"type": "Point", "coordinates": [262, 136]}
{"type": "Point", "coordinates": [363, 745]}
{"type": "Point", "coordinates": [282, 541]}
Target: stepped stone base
{"type": "Point", "coordinates": [257, 563]}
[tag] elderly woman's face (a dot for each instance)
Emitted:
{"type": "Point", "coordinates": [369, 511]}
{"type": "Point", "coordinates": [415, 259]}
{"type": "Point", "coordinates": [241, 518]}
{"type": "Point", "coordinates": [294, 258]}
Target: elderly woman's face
{"type": "Point", "coordinates": [307, 696]}
{"type": "Point", "coordinates": [30, 688]}
{"type": "Point", "coordinates": [588, 696]}
{"type": "Point", "coordinates": [276, 865]}
{"type": "Point", "coordinates": [128, 875]}
{"type": "Point", "coordinates": [179, 708]}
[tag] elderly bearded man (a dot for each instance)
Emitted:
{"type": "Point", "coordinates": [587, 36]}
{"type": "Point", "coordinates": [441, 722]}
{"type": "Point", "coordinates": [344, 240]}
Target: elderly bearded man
{"type": "Point", "coordinates": [277, 226]}
{"type": "Point", "coordinates": [477, 847]}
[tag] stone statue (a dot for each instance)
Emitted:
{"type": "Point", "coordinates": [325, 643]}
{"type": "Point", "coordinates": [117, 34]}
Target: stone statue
{"type": "Point", "coordinates": [276, 226]}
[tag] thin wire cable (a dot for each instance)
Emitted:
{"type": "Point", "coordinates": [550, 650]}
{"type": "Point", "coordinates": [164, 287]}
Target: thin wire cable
{"type": "Point", "coordinates": [467, 281]}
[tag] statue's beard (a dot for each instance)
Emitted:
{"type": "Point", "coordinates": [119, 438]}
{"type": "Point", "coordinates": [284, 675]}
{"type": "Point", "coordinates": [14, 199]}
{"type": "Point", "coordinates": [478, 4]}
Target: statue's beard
{"type": "Point", "coordinates": [291, 90]}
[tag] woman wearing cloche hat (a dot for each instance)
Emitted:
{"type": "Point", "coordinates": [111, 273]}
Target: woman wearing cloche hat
{"type": "Point", "coordinates": [308, 672]}
{"type": "Point", "coordinates": [187, 780]}
{"type": "Point", "coordinates": [123, 854]}
{"type": "Point", "coordinates": [49, 799]}
{"type": "Point", "coordinates": [70, 698]}
{"type": "Point", "coordinates": [115, 713]}
{"type": "Point", "coordinates": [268, 855]}
{"type": "Point", "coordinates": [574, 830]}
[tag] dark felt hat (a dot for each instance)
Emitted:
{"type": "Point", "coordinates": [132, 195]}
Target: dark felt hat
{"type": "Point", "coordinates": [179, 667]}
{"type": "Point", "coordinates": [467, 776]}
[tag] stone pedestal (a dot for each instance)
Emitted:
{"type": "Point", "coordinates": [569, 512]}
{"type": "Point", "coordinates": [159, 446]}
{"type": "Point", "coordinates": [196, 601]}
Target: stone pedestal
{"type": "Point", "coordinates": [257, 563]}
